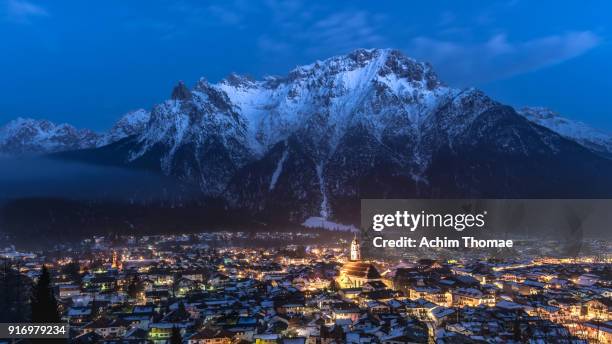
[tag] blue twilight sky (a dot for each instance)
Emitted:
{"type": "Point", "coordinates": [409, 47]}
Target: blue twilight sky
{"type": "Point", "coordinates": [88, 62]}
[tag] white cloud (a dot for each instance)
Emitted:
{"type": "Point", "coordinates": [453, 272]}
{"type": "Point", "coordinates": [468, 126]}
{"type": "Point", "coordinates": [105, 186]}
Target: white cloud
{"type": "Point", "coordinates": [22, 11]}
{"type": "Point", "coordinates": [497, 57]}
{"type": "Point", "coordinates": [300, 31]}
{"type": "Point", "coordinates": [308, 31]}
{"type": "Point", "coordinates": [316, 33]}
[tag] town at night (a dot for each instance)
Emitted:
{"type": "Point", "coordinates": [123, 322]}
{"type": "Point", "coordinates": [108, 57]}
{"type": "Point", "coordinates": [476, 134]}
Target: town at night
{"type": "Point", "coordinates": [234, 287]}
{"type": "Point", "coordinates": [305, 172]}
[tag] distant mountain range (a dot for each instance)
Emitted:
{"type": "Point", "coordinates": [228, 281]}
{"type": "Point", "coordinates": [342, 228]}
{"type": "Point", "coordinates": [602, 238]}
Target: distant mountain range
{"type": "Point", "coordinates": [27, 136]}
{"type": "Point", "coordinates": [591, 138]}
{"type": "Point", "coordinates": [30, 136]}
{"type": "Point", "coordinates": [370, 124]}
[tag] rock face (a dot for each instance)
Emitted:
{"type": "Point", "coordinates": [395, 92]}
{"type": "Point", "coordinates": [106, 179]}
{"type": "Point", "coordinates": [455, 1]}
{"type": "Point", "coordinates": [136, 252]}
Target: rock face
{"type": "Point", "coordinates": [30, 136]}
{"type": "Point", "coordinates": [370, 124]}
{"type": "Point", "coordinates": [589, 137]}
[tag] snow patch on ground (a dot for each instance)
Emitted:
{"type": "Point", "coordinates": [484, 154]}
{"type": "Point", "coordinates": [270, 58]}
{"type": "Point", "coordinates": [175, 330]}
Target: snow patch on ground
{"type": "Point", "coordinates": [278, 170]}
{"type": "Point", "coordinates": [320, 222]}
{"type": "Point", "coordinates": [324, 203]}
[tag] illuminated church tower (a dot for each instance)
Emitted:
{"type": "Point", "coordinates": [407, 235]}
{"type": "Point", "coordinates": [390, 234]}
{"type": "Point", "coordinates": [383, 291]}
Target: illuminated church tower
{"type": "Point", "coordinates": [356, 272]}
{"type": "Point", "coordinates": [355, 250]}
{"type": "Point", "coordinates": [116, 261]}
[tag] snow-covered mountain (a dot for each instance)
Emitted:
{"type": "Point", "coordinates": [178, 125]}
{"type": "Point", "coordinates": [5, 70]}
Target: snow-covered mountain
{"type": "Point", "coordinates": [32, 136]}
{"type": "Point", "coordinates": [373, 123]}
{"type": "Point", "coordinates": [580, 132]}
{"type": "Point", "coordinates": [132, 123]}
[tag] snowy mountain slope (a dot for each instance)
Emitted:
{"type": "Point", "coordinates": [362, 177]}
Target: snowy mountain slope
{"type": "Point", "coordinates": [368, 87]}
{"type": "Point", "coordinates": [196, 136]}
{"type": "Point", "coordinates": [31, 136]}
{"type": "Point", "coordinates": [381, 90]}
{"type": "Point", "coordinates": [578, 131]}
{"type": "Point", "coordinates": [132, 123]}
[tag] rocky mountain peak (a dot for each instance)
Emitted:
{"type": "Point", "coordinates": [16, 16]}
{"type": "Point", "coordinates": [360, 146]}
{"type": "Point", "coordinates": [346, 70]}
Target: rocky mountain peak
{"type": "Point", "coordinates": [236, 80]}
{"type": "Point", "coordinates": [180, 92]}
{"type": "Point", "coordinates": [379, 62]}
{"type": "Point", "coordinates": [407, 68]}
{"type": "Point", "coordinates": [212, 99]}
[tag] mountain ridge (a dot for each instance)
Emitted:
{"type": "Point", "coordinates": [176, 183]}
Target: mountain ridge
{"type": "Point", "coordinates": [373, 123]}
{"type": "Point", "coordinates": [135, 122]}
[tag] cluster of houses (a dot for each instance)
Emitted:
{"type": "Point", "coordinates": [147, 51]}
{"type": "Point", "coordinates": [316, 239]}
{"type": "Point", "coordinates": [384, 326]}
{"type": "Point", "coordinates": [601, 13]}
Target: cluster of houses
{"type": "Point", "coordinates": [143, 291]}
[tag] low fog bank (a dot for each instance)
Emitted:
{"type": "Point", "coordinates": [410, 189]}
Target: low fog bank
{"type": "Point", "coordinates": [27, 177]}
{"type": "Point", "coordinates": [57, 201]}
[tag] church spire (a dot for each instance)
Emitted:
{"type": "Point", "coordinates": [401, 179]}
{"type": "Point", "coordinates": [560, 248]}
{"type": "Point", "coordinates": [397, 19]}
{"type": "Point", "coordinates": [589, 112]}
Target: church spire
{"type": "Point", "coordinates": [355, 250]}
